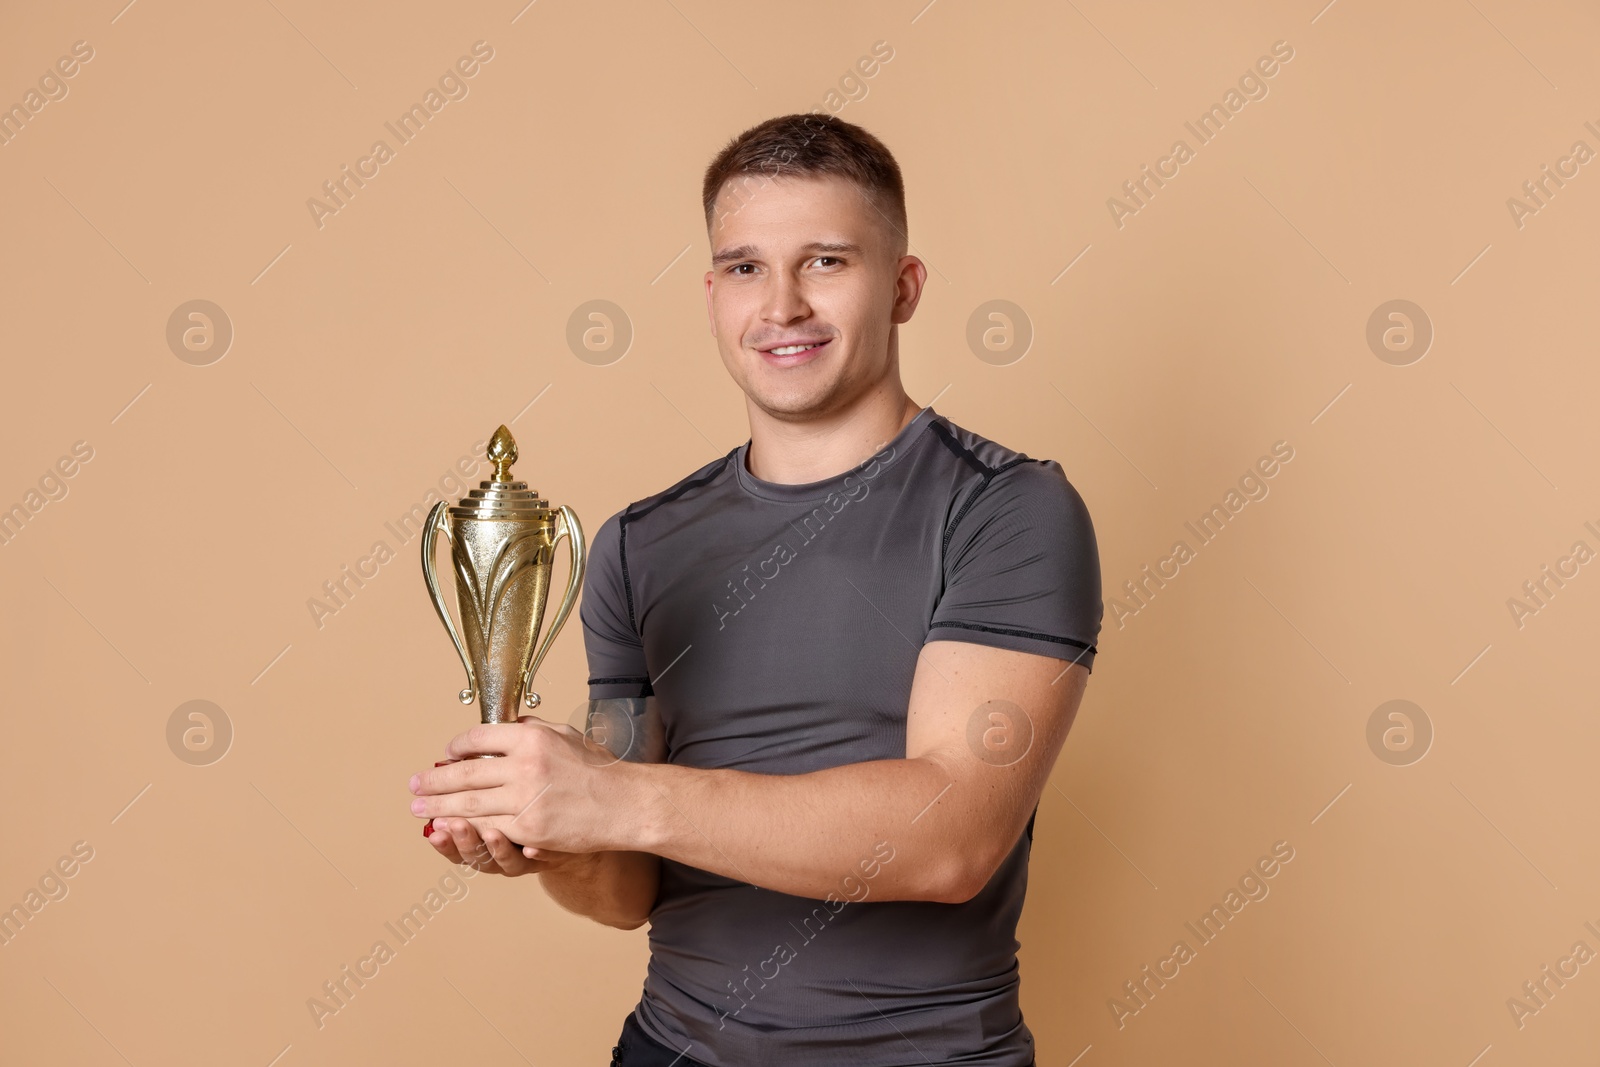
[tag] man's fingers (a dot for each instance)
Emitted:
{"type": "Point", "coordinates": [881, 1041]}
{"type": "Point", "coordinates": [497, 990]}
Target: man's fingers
{"type": "Point", "coordinates": [473, 851]}
{"type": "Point", "coordinates": [468, 803]}
{"type": "Point", "coordinates": [489, 738]}
{"type": "Point", "coordinates": [516, 859]}
{"type": "Point", "coordinates": [509, 858]}
{"type": "Point", "coordinates": [482, 855]}
{"type": "Point", "coordinates": [463, 774]}
{"type": "Point", "coordinates": [548, 858]}
{"type": "Point", "coordinates": [444, 844]}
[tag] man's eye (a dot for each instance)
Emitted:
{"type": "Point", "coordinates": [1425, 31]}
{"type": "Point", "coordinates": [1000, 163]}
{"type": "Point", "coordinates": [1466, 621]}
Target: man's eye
{"type": "Point", "coordinates": [833, 258]}
{"type": "Point", "coordinates": [737, 267]}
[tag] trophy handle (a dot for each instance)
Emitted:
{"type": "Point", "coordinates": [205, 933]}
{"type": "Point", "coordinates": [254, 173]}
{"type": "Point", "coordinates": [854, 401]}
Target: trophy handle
{"type": "Point", "coordinates": [566, 526]}
{"type": "Point", "coordinates": [439, 520]}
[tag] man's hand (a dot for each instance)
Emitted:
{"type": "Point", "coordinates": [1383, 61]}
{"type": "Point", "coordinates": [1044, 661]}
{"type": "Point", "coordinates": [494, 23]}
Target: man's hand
{"type": "Point", "coordinates": [458, 841]}
{"type": "Point", "coordinates": [549, 789]}
{"type": "Point", "coordinates": [617, 888]}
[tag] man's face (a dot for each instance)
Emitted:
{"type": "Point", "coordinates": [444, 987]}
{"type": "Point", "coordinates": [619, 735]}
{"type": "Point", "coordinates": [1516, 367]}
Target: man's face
{"type": "Point", "coordinates": [811, 263]}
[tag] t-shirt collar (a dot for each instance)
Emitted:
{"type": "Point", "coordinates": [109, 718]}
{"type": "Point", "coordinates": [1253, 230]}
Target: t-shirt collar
{"type": "Point", "coordinates": [807, 492]}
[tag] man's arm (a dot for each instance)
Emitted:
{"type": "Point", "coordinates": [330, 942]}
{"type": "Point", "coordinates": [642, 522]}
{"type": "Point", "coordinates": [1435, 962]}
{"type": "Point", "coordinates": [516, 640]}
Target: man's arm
{"type": "Point", "coordinates": [984, 728]}
{"type": "Point", "coordinates": [613, 888]}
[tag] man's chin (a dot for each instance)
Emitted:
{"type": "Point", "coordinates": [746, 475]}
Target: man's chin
{"type": "Point", "coordinates": [797, 405]}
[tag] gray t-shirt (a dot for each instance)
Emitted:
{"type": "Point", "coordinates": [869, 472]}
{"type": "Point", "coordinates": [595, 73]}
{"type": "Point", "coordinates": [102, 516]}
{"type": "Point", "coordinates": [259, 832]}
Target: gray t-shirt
{"type": "Point", "coordinates": [777, 628]}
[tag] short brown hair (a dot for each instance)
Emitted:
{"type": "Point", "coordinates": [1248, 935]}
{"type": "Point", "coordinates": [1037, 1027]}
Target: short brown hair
{"type": "Point", "coordinates": [809, 145]}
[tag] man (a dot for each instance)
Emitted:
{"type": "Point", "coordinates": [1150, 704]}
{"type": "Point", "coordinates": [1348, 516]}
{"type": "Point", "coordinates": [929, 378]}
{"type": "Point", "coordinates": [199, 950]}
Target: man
{"type": "Point", "coordinates": [849, 652]}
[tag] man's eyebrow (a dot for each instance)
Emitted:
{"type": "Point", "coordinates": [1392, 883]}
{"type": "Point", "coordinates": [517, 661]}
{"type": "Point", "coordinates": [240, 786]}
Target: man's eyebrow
{"type": "Point", "coordinates": [741, 252]}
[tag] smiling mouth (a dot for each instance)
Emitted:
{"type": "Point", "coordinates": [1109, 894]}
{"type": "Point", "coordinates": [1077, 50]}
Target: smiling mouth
{"type": "Point", "coordinates": [793, 354]}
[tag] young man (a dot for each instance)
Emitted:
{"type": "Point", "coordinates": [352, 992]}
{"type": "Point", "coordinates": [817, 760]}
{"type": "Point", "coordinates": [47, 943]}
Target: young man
{"type": "Point", "coordinates": [848, 652]}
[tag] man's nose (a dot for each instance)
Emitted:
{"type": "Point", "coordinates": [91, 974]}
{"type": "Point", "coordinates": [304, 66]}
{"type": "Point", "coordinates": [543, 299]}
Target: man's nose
{"type": "Point", "coordinates": [786, 299]}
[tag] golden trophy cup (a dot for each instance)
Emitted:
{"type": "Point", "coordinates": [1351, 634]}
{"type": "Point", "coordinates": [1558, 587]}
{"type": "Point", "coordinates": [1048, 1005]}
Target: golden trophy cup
{"type": "Point", "coordinates": [502, 546]}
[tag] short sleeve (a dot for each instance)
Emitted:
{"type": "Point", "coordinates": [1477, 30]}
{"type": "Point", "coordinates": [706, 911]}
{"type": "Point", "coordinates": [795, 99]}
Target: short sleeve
{"type": "Point", "coordinates": [610, 640]}
{"type": "Point", "coordinates": [1021, 567]}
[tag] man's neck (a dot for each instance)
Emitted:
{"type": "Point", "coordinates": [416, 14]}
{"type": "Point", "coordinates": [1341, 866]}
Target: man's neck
{"type": "Point", "coordinates": [793, 453]}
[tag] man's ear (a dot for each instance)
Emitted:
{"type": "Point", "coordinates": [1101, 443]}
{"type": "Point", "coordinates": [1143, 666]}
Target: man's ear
{"type": "Point", "coordinates": [909, 284]}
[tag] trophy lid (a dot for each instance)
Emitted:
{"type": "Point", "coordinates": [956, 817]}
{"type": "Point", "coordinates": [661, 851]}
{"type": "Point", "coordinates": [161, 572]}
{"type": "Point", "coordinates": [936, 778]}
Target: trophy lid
{"type": "Point", "coordinates": [500, 497]}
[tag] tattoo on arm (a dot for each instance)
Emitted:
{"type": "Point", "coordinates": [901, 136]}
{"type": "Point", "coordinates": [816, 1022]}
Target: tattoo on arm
{"type": "Point", "coordinates": [627, 727]}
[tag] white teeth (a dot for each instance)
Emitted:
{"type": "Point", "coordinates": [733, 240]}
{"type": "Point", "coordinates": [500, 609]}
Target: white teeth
{"type": "Point", "coordinates": [789, 350]}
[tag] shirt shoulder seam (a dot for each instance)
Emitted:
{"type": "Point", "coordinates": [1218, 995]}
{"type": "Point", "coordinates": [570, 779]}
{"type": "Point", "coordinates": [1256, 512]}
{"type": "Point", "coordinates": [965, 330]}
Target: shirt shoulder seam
{"type": "Point", "coordinates": [942, 432]}
{"type": "Point", "coordinates": [989, 475]}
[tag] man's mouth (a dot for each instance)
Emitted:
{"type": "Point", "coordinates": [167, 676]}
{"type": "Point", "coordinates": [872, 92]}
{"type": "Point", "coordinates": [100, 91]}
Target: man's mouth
{"type": "Point", "coordinates": [791, 354]}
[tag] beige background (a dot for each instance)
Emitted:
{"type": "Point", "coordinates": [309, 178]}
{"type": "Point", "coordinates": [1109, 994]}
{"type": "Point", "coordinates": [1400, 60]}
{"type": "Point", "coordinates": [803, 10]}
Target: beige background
{"type": "Point", "coordinates": [369, 354]}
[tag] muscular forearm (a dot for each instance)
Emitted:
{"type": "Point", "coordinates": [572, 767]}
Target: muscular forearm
{"type": "Point", "coordinates": [614, 888]}
{"type": "Point", "coordinates": [804, 833]}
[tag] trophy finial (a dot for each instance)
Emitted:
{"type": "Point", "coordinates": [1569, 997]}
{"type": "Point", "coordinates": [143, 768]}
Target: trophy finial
{"type": "Point", "coordinates": [502, 453]}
